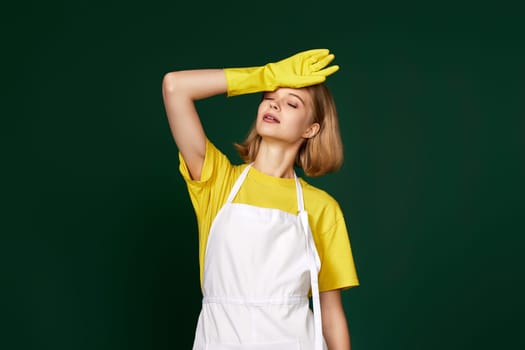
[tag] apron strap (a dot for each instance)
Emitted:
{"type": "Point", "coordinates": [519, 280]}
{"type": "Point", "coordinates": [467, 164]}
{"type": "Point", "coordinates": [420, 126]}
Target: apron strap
{"type": "Point", "coordinates": [238, 183]}
{"type": "Point", "coordinates": [242, 177]}
{"type": "Point", "coordinates": [314, 264]}
{"type": "Point", "coordinates": [299, 190]}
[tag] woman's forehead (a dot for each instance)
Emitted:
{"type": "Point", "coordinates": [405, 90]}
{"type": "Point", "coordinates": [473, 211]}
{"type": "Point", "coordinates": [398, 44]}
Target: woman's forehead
{"type": "Point", "coordinates": [301, 93]}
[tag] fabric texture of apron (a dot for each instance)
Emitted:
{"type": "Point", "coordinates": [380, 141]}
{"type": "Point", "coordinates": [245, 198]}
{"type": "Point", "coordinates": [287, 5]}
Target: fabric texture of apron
{"type": "Point", "coordinates": [259, 267]}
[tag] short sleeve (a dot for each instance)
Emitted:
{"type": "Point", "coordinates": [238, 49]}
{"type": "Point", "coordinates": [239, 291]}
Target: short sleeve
{"type": "Point", "coordinates": [209, 193]}
{"type": "Point", "coordinates": [214, 168]}
{"type": "Point", "coordinates": [337, 263]}
{"type": "Point", "coordinates": [212, 156]}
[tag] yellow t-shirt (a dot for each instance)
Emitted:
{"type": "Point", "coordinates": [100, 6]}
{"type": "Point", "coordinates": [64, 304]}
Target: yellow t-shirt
{"type": "Point", "coordinates": [326, 220]}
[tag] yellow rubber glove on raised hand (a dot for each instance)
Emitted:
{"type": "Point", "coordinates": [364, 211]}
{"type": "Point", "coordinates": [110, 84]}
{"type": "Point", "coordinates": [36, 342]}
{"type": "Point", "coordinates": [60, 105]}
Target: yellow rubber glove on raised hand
{"type": "Point", "coordinates": [300, 70]}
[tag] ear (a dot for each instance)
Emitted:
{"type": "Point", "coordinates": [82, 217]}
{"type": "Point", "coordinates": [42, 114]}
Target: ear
{"type": "Point", "coordinates": [312, 131]}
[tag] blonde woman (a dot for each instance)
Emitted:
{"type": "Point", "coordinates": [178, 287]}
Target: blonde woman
{"type": "Point", "coordinates": [268, 240]}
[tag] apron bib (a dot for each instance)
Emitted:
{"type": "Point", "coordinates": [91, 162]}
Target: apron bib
{"type": "Point", "coordinates": [259, 266]}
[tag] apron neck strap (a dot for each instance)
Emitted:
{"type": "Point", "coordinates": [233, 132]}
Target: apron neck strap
{"type": "Point", "coordinates": [242, 177]}
{"type": "Point", "coordinates": [299, 190]}
{"type": "Point", "coordinates": [238, 183]}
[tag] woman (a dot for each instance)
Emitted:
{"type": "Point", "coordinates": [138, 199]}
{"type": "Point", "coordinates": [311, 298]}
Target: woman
{"type": "Point", "coordinates": [267, 239]}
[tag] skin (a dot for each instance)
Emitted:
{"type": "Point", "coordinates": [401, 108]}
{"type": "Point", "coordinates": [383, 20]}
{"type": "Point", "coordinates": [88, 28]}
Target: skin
{"type": "Point", "coordinates": [281, 139]}
{"type": "Point", "coordinates": [280, 143]}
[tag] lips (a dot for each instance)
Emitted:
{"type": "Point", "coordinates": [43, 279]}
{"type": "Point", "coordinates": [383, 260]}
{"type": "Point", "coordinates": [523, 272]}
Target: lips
{"type": "Point", "coordinates": [269, 118]}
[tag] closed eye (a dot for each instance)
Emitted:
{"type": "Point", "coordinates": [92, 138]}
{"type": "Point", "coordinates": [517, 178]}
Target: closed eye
{"type": "Point", "coordinates": [292, 105]}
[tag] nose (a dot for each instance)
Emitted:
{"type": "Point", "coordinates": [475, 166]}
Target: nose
{"type": "Point", "coordinates": [274, 105]}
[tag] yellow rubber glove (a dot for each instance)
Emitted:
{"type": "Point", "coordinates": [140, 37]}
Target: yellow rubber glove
{"type": "Point", "coordinates": [300, 70]}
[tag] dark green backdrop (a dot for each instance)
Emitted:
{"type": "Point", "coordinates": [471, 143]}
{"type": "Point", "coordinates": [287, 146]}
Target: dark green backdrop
{"type": "Point", "coordinates": [98, 243]}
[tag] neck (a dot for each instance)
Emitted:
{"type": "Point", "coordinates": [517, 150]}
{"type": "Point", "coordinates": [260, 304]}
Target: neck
{"type": "Point", "coordinates": [276, 159]}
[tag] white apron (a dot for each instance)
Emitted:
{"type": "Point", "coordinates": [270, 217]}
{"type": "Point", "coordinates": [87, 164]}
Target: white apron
{"type": "Point", "coordinates": [259, 266]}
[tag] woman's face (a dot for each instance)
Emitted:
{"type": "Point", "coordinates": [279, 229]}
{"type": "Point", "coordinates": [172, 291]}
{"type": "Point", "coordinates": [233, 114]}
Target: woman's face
{"type": "Point", "coordinates": [285, 115]}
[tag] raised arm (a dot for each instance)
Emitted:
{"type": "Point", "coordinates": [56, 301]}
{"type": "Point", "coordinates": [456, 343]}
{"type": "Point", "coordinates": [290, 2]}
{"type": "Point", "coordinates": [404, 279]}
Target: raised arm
{"type": "Point", "coordinates": [180, 90]}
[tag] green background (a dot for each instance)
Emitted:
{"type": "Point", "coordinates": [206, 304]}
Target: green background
{"type": "Point", "coordinates": [98, 245]}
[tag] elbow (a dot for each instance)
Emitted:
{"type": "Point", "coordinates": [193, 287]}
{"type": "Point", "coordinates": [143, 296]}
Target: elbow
{"type": "Point", "coordinates": [169, 83]}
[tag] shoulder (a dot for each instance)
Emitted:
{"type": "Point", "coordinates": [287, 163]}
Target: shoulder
{"type": "Point", "coordinates": [318, 196]}
{"type": "Point", "coordinates": [218, 176]}
{"type": "Point", "coordinates": [216, 166]}
{"type": "Point", "coordinates": [324, 213]}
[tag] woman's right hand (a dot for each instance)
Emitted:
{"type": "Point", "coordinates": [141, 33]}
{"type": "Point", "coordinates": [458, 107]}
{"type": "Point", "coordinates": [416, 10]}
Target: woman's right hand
{"type": "Point", "coordinates": [302, 69]}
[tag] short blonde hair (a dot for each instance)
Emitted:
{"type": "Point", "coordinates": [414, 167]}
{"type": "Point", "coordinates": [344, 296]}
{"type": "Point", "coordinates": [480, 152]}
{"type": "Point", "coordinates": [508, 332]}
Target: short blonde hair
{"type": "Point", "coordinates": [319, 155]}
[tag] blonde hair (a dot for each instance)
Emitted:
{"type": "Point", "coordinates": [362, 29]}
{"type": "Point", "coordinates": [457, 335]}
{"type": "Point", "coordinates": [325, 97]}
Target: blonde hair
{"type": "Point", "coordinates": [319, 155]}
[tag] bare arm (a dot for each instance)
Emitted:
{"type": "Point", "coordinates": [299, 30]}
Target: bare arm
{"type": "Point", "coordinates": [179, 90]}
{"type": "Point", "coordinates": [335, 328]}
